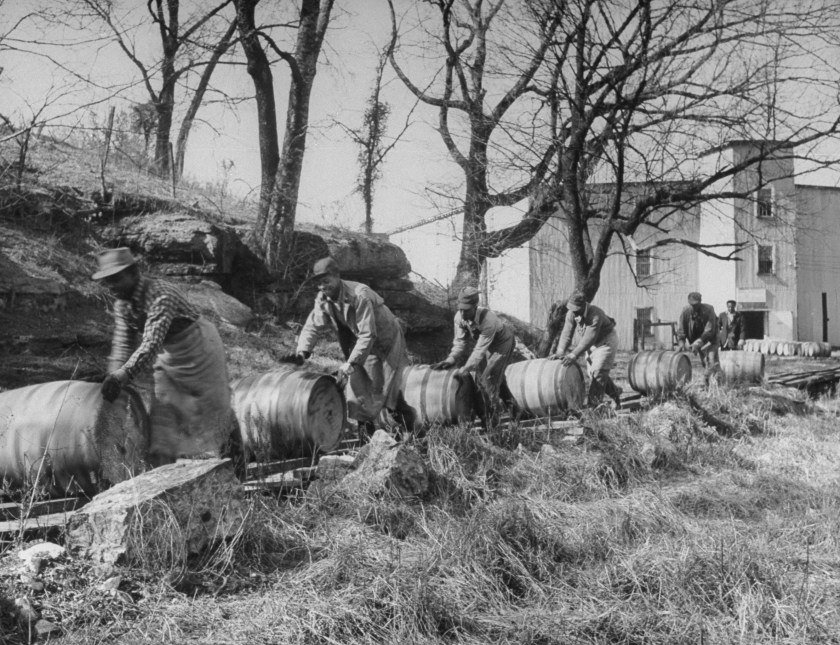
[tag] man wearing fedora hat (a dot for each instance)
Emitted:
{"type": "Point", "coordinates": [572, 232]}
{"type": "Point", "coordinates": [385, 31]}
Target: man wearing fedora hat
{"type": "Point", "coordinates": [493, 342]}
{"type": "Point", "coordinates": [697, 330]}
{"type": "Point", "coordinates": [371, 339]}
{"type": "Point", "coordinates": [155, 326]}
{"type": "Point", "coordinates": [598, 340]}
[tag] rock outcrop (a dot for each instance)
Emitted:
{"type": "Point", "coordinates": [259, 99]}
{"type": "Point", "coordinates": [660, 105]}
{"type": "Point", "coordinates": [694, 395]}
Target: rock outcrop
{"type": "Point", "coordinates": [185, 506]}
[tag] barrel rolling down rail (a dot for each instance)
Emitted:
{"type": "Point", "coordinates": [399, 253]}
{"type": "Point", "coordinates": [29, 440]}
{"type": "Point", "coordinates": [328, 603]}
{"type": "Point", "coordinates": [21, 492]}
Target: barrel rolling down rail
{"type": "Point", "coordinates": [64, 435]}
{"type": "Point", "coordinates": [438, 396]}
{"type": "Point", "coordinates": [658, 372]}
{"type": "Point", "coordinates": [288, 412]}
{"type": "Point", "coordinates": [543, 387]}
{"type": "Point", "coordinates": [742, 367]}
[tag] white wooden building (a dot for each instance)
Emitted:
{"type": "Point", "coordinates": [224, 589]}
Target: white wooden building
{"type": "Point", "coordinates": [787, 281]}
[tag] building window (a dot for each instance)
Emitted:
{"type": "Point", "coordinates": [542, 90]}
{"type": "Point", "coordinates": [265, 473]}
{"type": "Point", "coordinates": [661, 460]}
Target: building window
{"type": "Point", "coordinates": [765, 260]}
{"type": "Point", "coordinates": [642, 263]}
{"type": "Point", "coordinates": [764, 203]}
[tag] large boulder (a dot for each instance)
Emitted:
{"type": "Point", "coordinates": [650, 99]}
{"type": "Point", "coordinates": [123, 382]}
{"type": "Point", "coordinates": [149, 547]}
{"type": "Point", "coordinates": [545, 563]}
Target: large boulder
{"type": "Point", "coordinates": [216, 305]}
{"type": "Point", "coordinates": [384, 465]}
{"type": "Point", "coordinates": [181, 507]}
{"type": "Point", "coordinates": [178, 243]}
{"type": "Point", "coordinates": [366, 257]}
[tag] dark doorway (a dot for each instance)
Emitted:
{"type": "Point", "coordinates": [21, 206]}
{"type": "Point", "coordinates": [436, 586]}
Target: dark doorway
{"type": "Point", "coordinates": [753, 323]}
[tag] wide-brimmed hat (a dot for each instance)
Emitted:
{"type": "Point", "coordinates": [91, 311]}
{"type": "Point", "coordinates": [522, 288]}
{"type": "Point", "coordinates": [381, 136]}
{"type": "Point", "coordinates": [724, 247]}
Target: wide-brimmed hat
{"type": "Point", "coordinates": [576, 303]}
{"type": "Point", "coordinates": [468, 298]}
{"type": "Point", "coordinates": [113, 261]}
{"type": "Point", "coordinates": [695, 298]}
{"type": "Point", "coordinates": [325, 266]}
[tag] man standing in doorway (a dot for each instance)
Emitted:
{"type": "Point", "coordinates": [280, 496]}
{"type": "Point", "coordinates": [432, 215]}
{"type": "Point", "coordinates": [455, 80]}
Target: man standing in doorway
{"type": "Point", "coordinates": [493, 347]}
{"type": "Point", "coordinates": [697, 331]}
{"type": "Point", "coordinates": [598, 340]}
{"type": "Point", "coordinates": [731, 324]}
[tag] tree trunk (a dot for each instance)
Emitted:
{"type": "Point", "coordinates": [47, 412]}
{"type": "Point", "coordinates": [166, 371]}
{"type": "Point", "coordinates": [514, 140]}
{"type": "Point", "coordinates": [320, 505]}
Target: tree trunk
{"type": "Point", "coordinates": [198, 97]}
{"type": "Point", "coordinates": [260, 71]}
{"type": "Point", "coordinates": [275, 232]}
{"type": "Point", "coordinates": [164, 107]}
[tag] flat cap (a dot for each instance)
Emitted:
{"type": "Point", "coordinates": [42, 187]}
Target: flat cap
{"type": "Point", "coordinates": [694, 298]}
{"type": "Point", "coordinates": [113, 261]}
{"type": "Point", "coordinates": [325, 266]}
{"type": "Point", "coordinates": [576, 303]}
{"type": "Point", "coordinates": [468, 298]}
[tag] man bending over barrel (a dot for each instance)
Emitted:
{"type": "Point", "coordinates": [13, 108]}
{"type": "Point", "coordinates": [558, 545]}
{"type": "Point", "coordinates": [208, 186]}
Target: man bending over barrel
{"type": "Point", "coordinates": [598, 340]}
{"type": "Point", "coordinates": [371, 339]}
{"type": "Point", "coordinates": [154, 324]}
{"type": "Point", "coordinates": [698, 331]}
{"type": "Point", "coordinates": [491, 354]}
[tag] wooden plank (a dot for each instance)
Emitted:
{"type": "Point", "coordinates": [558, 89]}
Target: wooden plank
{"type": "Point", "coordinates": [264, 469]}
{"type": "Point", "coordinates": [42, 522]}
{"type": "Point", "coordinates": [14, 511]}
{"type": "Point", "coordinates": [296, 478]}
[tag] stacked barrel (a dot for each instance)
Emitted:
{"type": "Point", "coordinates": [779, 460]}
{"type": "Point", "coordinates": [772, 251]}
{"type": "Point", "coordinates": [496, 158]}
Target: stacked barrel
{"type": "Point", "coordinates": [773, 347]}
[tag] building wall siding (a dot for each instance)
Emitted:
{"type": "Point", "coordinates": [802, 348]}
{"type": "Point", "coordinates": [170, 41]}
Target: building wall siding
{"type": "Point", "coordinates": [818, 261]}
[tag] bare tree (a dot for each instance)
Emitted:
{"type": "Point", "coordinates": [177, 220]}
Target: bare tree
{"type": "Point", "coordinates": [281, 168]}
{"type": "Point", "coordinates": [191, 46]}
{"type": "Point", "coordinates": [371, 138]}
{"type": "Point", "coordinates": [540, 99]}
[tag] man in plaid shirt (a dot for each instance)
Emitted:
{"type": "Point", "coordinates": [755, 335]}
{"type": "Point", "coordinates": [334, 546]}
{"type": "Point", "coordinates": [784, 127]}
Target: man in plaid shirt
{"type": "Point", "coordinates": [155, 326]}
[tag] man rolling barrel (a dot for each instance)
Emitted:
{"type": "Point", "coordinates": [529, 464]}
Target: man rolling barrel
{"type": "Point", "coordinates": [598, 340]}
{"type": "Point", "coordinates": [155, 326]}
{"type": "Point", "coordinates": [493, 347]}
{"type": "Point", "coordinates": [371, 339]}
{"type": "Point", "coordinates": [697, 331]}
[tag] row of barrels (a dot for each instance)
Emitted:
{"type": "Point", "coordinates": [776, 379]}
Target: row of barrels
{"type": "Point", "coordinates": [788, 348]}
{"type": "Point", "coordinates": [66, 428]}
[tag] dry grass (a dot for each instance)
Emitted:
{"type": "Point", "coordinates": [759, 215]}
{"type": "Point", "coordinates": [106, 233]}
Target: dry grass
{"type": "Point", "coordinates": [594, 542]}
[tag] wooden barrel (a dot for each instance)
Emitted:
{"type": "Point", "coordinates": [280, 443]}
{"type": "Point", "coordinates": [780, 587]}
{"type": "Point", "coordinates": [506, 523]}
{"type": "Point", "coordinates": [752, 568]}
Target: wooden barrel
{"type": "Point", "coordinates": [825, 349]}
{"type": "Point", "coordinates": [65, 436]}
{"type": "Point", "coordinates": [658, 372]}
{"type": "Point", "coordinates": [438, 396]}
{"type": "Point", "coordinates": [543, 387]}
{"type": "Point", "coordinates": [288, 412]}
{"type": "Point", "coordinates": [742, 367]}
{"type": "Point", "coordinates": [764, 347]}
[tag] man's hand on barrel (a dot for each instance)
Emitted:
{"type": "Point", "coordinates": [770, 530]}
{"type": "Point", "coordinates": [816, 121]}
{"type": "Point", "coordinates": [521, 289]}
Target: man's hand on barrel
{"type": "Point", "coordinates": [342, 374]}
{"type": "Point", "coordinates": [296, 358]}
{"type": "Point", "coordinates": [696, 345]}
{"type": "Point", "coordinates": [443, 365]}
{"type": "Point", "coordinates": [569, 359]}
{"type": "Point", "coordinates": [113, 384]}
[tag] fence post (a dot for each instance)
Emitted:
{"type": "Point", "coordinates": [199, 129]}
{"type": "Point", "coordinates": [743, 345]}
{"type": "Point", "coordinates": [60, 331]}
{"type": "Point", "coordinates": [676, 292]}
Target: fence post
{"type": "Point", "coordinates": [104, 162]}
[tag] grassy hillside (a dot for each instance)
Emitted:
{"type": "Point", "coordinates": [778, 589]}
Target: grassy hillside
{"type": "Point", "coordinates": [709, 518]}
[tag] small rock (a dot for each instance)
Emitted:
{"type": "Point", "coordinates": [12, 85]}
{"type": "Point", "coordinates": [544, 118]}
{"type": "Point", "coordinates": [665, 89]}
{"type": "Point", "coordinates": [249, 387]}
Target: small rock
{"type": "Point", "coordinates": [110, 584]}
{"type": "Point", "coordinates": [547, 451]}
{"type": "Point", "coordinates": [45, 628]}
{"type": "Point", "coordinates": [334, 467]}
{"type": "Point", "coordinates": [26, 612]}
{"type": "Point", "coordinates": [36, 585]}
{"type": "Point", "coordinates": [43, 550]}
